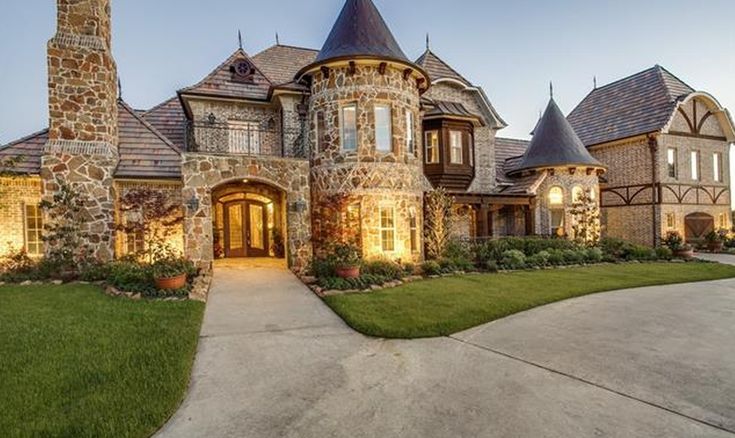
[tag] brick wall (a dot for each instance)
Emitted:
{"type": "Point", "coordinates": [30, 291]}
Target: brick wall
{"type": "Point", "coordinates": [15, 194]}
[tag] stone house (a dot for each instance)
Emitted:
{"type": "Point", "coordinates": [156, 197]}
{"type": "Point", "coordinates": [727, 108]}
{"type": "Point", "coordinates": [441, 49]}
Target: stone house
{"type": "Point", "coordinates": [268, 152]}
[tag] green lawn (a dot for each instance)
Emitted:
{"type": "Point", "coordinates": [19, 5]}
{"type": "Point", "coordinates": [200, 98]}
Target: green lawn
{"type": "Point", "coordinates": [76, 363]}
{"type": "Point", "coordinates": [448, 305]}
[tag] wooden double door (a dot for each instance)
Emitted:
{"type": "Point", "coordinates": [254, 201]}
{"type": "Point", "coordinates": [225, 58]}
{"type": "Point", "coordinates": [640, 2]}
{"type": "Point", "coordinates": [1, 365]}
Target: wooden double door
{"type": "Point", "coordinates": [246, 229]}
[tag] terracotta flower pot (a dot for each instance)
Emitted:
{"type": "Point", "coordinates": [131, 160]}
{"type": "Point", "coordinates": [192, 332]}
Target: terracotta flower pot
{"type": "Point", "coordinates": [686, 253]}
{"type": "Point", "coordinates": [716, 246]}
{"type": "Point", "coordinates": [348, 272]}
{"type": "Point", "coordinates": [172, 283]}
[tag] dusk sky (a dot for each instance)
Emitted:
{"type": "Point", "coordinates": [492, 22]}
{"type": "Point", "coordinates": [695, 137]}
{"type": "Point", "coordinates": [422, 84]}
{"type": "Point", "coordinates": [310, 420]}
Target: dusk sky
{"type": "Point", "coordinates": [512, 48]}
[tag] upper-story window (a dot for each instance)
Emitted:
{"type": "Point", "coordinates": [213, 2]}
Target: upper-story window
{"type": "Point", "coordinates": [672, 163]}
{"type": "Point", "coordinates": [717, 166]}
{"type": "Point", "coordinates": [244, 137]}
{"type": "Point", "coordinates": [431, 143]}
{"type": "Point", "coordinates": [455, 147]}
{"type": "Point", "coordinates": [695, 165]}
{"type": "Point", "coordinates": [410, 133]}
{"type": "Point", "coordinates": [348, 124]}
{"type": "Point", "coordinates": [383, 131]}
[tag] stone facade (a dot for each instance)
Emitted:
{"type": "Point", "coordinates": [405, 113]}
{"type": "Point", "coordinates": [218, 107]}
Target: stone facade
{"type": "Point", "coordinates": [391, 179]}
{"type": "Point", "coordinates": [567, 181]}
{"type": "Point", "coordinates": [203, 173]}
{"type": "Point", "coordinates": [83, 137]}
{"type": "Point", "coordinates": [16, 193]}
{"type": "Point", "coordinates": [484, 136]}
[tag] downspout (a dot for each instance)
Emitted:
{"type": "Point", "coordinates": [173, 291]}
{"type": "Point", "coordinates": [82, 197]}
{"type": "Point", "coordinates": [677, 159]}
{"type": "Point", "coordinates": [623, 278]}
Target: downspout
{"type": "Point", "coordinates": [653, 146]}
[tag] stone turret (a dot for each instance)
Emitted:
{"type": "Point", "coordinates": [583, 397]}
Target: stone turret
{"type": "Point", "coordinates": [365, 120]}
{"type": "Point", "coordinates": [83, 137]}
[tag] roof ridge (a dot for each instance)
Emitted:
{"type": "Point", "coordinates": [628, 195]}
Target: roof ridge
{"type": "Point", "coordinates": [150, 127]}
{"type": "Point", "coordinates": [663, 70]}
{"type": "Point", "coordinates": [618, 81]}
{"type": "Point", "coordinates": [160, 105]}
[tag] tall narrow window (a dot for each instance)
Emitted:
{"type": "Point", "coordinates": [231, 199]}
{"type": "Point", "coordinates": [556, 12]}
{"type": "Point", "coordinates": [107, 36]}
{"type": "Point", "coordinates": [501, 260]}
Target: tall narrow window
{"type": "Point", "coordinates": [556, 196]}
{"type": "Point", "coordinates": [135, 242]}
{"type": "Point", "coordinates": [471, 151]}
{"type": "Point", "coordinates": [383, 134]}
{"type": "Point", "coordinates": [320, 130]}
{"type": "Point", "coordinates": [670, 221]}
{"type": "Point", "coordinates": [577, 193]}
{"type": "Point", "coordinates": [695, 165]}
{"type": "Point", "coordinates": [410, 133]}
{"type": "Point", "coordinates": [717, 166]}
{"type": "Point", "coordinates": [556, 211]}
{"type": "Point", "coordinates": [671, 163]}
{"type": "Point", "coordinates": [349, 127]}
{"type": "Point", "coordinates": [456, 149]}
{"type": "Point", "coordinates": [387, 229]}
{"type": "Point", "coordinates": [722, 222]}
{"type": "Point", "coordinates": [432, 147]}
{"type": "Point", "coordinates": [244, 137]}
{"type": "Point", "coordinates": [413, 229]}
{"type": "Point", "coordinates": [34, 229]}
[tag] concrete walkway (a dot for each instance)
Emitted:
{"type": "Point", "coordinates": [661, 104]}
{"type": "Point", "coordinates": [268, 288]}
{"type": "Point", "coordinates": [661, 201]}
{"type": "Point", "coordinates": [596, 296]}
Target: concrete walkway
{"type": "Point", "coordinates": [727, 259]}
{"type": "Point", "coordinates": [273, 361]}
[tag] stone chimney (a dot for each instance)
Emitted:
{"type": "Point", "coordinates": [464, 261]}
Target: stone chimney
{"type": "Point", "coordinates": [83, 138]}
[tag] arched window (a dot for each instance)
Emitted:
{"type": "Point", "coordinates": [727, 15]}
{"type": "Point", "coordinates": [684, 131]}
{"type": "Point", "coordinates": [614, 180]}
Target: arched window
{"type": "Point", "coordinates": [577, 193]}
{"type": "Point", "coordinates": [556, 196]}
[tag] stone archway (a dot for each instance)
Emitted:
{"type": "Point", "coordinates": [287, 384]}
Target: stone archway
{"type": "Point", "coordinates": [697, 226]}
{"type": "Point", "coordinates": [205, 174]}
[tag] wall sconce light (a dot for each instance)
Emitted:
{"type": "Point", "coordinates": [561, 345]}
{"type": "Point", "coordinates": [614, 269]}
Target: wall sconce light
{"type": "Point", "coordinates": [211, 118]}
{"type": "Point", "coordinates": [193, 204]}
{"type": "Point", "coordinates": [298, 206]}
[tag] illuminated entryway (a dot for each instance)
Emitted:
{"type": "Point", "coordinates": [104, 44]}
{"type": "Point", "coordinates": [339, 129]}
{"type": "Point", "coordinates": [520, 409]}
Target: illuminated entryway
{"type": "Point", "coordinates": [248, 221]}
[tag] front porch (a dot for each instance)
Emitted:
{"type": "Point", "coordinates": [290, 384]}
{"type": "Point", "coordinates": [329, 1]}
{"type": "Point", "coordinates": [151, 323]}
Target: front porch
{"type": "Point", "coordinates": [488, 216]}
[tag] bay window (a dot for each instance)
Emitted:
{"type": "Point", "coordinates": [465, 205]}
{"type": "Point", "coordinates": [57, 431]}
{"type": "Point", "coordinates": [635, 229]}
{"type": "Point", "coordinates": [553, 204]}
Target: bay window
{"type": "Point", "coordinates": [455, 147]}
{"type": "Point", "coordinates": [432, 147]}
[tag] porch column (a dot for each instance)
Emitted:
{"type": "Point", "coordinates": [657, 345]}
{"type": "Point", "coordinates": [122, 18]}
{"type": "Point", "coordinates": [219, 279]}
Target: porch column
{"type": "Point", "coordinates": [483, 225]}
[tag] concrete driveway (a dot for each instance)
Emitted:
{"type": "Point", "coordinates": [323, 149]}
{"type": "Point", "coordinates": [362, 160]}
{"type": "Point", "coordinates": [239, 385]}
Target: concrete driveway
{"type": "Point", "coordinates": [273, 361]}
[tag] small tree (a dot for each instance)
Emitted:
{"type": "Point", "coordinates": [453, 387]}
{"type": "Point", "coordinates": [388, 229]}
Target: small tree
{"type": "Point", "coordinates": [154, 215]}
{"type": "Point", "coordinates": [67, 242]}
{"type": "Point", "coordinates": [586, 214]}
{"type": "Point", "coordinates": [336, 223]}
{"type": "Point", "coordinates": [439, 219]}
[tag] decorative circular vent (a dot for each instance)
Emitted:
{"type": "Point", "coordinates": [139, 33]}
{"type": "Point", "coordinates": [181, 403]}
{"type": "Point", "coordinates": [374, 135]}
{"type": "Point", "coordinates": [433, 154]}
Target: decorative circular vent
{"type": "Point", "coordinates": [242, 68]}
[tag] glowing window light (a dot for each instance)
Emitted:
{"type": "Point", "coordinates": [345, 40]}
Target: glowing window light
{"type": "Point", "coordinates": [556, 196]}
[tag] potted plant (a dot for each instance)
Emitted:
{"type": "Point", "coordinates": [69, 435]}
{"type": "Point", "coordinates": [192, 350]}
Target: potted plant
{"type": "Point", "coordinates": [171, 273]}
{"type": "Point", "coordinates": [675, 242]}
{"type": "Point", "coordinates": [279, 249]}
{"type": "Point", "coordinates": [716, 240]}
{"type": "Point", "coordinates": [347, 260]}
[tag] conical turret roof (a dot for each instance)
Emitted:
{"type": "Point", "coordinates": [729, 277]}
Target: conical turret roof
{"type": "Point", "coordinates": [555, 144]}
{"type": "Point", "coordinates": [360, 31]}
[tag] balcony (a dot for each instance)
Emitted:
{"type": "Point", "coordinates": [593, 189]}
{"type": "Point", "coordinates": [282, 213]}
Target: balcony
{"type": "Point", "coordinates": [246, 138]}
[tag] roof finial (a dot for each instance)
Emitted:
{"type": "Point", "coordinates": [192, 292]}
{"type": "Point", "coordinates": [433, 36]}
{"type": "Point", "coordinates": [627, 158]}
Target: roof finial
{"type": "Point", "coordinates": [428, 41]}
{"type": "Point", "coordinates": [278, 41]}
{"type": "Point", "coordinates": [239, 39]}
{"type": "Point", "coordinates": [594, 81]}
{"type": "Point", "coordinates": [551, 89]}
{"type": "Point", "coordinates": [119, 89]}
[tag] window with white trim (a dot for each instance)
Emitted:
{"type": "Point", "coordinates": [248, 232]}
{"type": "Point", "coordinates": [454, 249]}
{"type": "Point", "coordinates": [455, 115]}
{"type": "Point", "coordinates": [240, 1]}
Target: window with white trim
{"type": "Point", "coordinates": [717, 166]}
{"type": "Point", "coordinates": [33, 230]}
{"type": "Point", "coordinates": [431, 144]}
{"type": "Point", "coordinates": [672, 163]}
{"type": "Point", "coordinates": [410, 133]}
{"type": "Point", "coordinates": [387, 228]}
{"type": "Point", "coordinates": [455, 147]}
{"type": "Point", "coordinates": [383, 131]}
{"type": "Point", "coordinates": [348, 127]}
{"type": "Point", "coordinates": [413, 229]}
{"type": "Point", "coordinates": [695, 165]}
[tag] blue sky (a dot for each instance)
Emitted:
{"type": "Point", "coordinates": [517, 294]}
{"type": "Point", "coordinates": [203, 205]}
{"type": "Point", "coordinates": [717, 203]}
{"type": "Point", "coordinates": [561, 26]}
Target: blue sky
{"type": "Point", "coordinates": [511, 48]}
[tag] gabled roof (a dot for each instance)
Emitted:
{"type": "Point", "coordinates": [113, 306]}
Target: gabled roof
{"type": "Point", "coordinates": [639, 104]}
{"type": "Point", "coordinates": [280, 64]}
{"type": "Point", "coordinates": [360, 31]}
{"type": "Point", "coordinates": [169, 119]}
{"type": "Point", "coordinates": [438, 69]}
{"type": "Point", "coordinates": [144, 151]}
{"type": "Point", "coordinates": [220, 81]}
{"type": "Point", "coordinates": [555, 143]}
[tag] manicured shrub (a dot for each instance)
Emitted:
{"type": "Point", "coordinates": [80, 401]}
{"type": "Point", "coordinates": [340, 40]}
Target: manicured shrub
{"type": "Point", "coordinates": [513, 259]}
{"type": "Point", "coordinates": [431, 267]}
{"type": "Point", "coordinates": [383, 268]}
{"type": "Point", "coordinates": [664, 253]}
{"type": "Point", "coordinates": [447, 266]}
{"type": "Point", "coordinates": [492, 266]}
{"type": "Point", "coordinates": [540, 259]}
{"type": "Point", "coordinates": [409, 268]}
{"type": "Point", "coordinates": [556, 257]}
{"type": "Point", "coordinates": [593, 255]}
{"type": "Point", "coordinates": [573, 256]}
{"type": "Point", "coordinates": [131, 276]}
{"type": "Point", "coordinates": [361, 283]}
{"type": "Point", "coordinates": [323, 267]}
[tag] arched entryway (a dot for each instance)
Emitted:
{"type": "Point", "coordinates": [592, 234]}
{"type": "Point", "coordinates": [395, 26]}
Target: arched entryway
{"type": "Point", "coordinates": [697, 226]}
{"type": "Point", "coordinates": [248, 220]}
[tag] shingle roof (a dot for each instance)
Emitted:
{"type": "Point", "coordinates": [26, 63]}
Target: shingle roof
{"type": "Point", "coordinates": [555, 143]}
{"type": "Point", "coordinates": [635, 105]}
{"type": "Point", "coordinates": [220, 81]}
{"type": "Point", "coordinates": [360, 31]}
{"type": "Point", "coordinates": [144, 152]}
{"type": "Point", "coordinates": [438, 69]}
{"type": "Point", "coordinates": [169, 119]}
{"type": "Point", "coordinates": [280, 63]}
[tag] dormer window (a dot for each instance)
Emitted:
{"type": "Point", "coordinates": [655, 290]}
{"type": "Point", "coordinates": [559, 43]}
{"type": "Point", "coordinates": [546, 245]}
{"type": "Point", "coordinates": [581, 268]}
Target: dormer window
{"type": "Point", "coordinates": [348, 124]}
{"type": "Point", "coordinates": [383, 131]}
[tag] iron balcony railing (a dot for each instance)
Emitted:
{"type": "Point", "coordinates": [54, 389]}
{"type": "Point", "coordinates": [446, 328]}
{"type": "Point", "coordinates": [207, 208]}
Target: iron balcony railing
{"type": "Point", "coordinates": [246, 138]}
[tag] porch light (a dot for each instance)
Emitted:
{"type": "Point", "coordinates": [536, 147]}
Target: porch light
{"type": "Point", "coordinates": [211, 118]}
{"type": "Point", "coordinates": [193, 204]}
{"type": "Point", "coordinates": [245, 181]}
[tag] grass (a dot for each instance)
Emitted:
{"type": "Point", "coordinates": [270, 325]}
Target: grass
{"type": "Point", "coordinates": [449, 305]}
{"type": "Point", "coordinates": [76, 363]}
